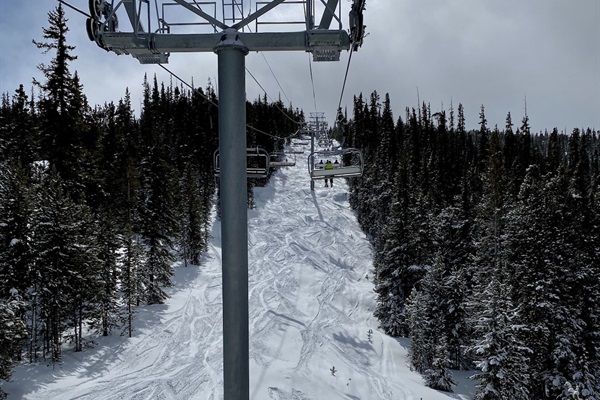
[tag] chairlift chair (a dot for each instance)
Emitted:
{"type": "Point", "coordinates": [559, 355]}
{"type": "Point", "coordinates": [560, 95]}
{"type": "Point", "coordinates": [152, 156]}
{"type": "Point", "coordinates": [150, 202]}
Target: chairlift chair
{"type": "Point", "coordinates": [257, 163]}
{"type": "Point", "coordinates": [349, 164]}
{"type": "Point", "coordinates": [325, 142]}
{"type": "Point", "coordinates": [279, 159]}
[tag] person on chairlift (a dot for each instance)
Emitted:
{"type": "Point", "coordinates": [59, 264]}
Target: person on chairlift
{"type": "Point", "coordinates": [328, 166]}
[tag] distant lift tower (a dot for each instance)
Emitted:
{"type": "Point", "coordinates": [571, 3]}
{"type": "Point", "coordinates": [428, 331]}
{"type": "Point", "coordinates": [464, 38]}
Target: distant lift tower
{"type": "Point", "coordinates": [160, 27]}
{"type": "Point", "coordinates": [317, 126]}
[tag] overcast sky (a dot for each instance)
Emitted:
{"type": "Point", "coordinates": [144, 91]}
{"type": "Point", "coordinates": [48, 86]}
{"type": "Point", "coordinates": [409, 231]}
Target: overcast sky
{"type": "Point", "coordinates": [494, 52]}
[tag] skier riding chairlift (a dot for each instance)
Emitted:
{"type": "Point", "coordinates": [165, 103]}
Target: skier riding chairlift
{"type": "Point", "coordinates": [329, 166]}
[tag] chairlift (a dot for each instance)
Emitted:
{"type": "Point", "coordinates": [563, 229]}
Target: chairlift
{"type": "Point", "coordinates": [257, 162]}
{"type": "Point", "coordinates": [300, 142]}
{"type": "Point", "coordinates": [280, 159]}
{"type": "Point", "coordinates": [325, 142]}
{"type": "Point", "coordinates": [357, 28]}
{"type": "Point", "coordinates": [293, 151]}
{"type": "Point", "coordinates": [347, 163]}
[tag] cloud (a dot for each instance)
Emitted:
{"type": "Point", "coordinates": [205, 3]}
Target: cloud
{"type": "Point", "coordinates": [495, 53]}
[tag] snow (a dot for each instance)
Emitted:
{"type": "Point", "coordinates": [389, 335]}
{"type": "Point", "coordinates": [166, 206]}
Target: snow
{"type": "Point", "coordinates": [311, 306]}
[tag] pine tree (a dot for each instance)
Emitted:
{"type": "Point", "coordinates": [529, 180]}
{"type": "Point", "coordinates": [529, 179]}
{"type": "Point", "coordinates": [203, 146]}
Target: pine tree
{"type": "Point", "coordinates": [158, 227]}
{"type": "Point", "coordinates": [439, 376]}
{"type": "Point", "coordinates": [395, 272]}
{"type": "Point", "coordinates": [104, 312]}
{"type": "Point", "coordinates": [132, 260]}
{"type": "Point", "coordinates": [500, 353]}
{"type": "Point", "coordinates": [452, 235]}
{"type": "Point", "coordinates": [16, 230]}
{"type": "Point", "coordinates": [553, 157]}
{"type": "Point", "coordinates": [13, 331]}
{"type": "Point", "coordinates": [192, 240]}
{"type": "Point", "coordinates": [437, 319]}
{"type": "Point", "coordinates": [67, 264]}
{"type": "Point", "coordinates": [63, 105]}
{"type": "Point", "coordinates": [553, 283]}
{"type": "Point", "coordinates": [20, 131]}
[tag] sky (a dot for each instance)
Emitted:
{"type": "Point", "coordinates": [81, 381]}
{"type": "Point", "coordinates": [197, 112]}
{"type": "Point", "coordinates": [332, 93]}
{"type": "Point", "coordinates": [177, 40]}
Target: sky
{"type": "Point", "coordinates": [311, 303]}
{"type": "Point", "coordinates": [542, 56]}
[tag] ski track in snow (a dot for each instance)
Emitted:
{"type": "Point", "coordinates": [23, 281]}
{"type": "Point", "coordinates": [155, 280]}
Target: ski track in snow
{"type": "Point", "coordinates": [310, 310]}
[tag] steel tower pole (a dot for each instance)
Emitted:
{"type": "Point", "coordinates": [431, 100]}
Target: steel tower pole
{"type": "Point", "coordinates": [234, 235]}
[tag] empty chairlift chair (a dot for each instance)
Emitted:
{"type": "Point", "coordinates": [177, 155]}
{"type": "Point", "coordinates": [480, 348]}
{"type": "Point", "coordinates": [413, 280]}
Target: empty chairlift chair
{"type": "Point", "coordinates": [257, 162]}
{"type": "Point", "coordinates": [282, 159]}
{"type": "Point", "coordinates": [325, 142]}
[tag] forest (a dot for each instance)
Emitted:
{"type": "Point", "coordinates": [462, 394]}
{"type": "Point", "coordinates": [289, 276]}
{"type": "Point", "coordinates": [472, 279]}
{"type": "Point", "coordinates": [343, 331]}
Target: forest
{"type": "Point", "coordinates": [486, 247]}
{"type": "Point", "coordinates": [485, 241]}
{"type": "Point", "coordinates": [96, 204]}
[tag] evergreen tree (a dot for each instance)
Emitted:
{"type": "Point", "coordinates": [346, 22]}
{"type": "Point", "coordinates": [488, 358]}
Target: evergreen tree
{"type": "Point", "coordinates": [482, 139]}
{"type": "Point", "coordinates": [104, 313]}
{"type": "Point", "coordinates": [13, 332]}
{"type": "Point", "coordinates": [67, 264]}
{"type": "Point", "coordinates": [19, 131]}
{"type": "Point", "coordinates": [452, 235]}
{"type": "Point", "coordinates": [16, 230]}
{"type": "Point", "coordinates": [192, 225]}
{"type": "Point", "coordinates": [500, 353]}
{"type": "Point", "coordinates": [132, 260]}
{"type": "Point", "coordinates": [158, 227]}
{"type": "Point", "coordinates": [63, 106]}
{"type": "Point", "coordinates": [439, 376]}
{"type": "Point", "coordinates": [548, 283]}
{"type": "Point", "coordinates": [421, 352]}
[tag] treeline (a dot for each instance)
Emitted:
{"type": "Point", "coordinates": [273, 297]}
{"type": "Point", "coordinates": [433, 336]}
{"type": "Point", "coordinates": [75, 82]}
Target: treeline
{"type": "Point", "coordinates": [96, 204]}
{"type": "Point", "coordinates": [487, 247]}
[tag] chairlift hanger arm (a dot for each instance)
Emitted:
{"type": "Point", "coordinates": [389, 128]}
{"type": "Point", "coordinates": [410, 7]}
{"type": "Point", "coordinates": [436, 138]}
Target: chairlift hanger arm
{"type": "Point", "coordinates": [357, 29]}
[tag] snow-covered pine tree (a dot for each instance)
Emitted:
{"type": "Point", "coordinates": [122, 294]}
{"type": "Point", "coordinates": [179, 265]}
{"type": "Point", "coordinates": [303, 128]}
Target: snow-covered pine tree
{"type": "Point", "coordinates": [421, 350]}
{"type": "Point", "coordinates": [67, 264]}
{"type": "Point", "coordinates": [18, 129]}
{"type": "Point", "coordinates": [104, 316]}
{"type": "Point", "coordinates": [429, 313]}
{"type": "Point", "coordinates": [499, 351]}
{"type": "Point", "coordinates": [16, 229]}
{"type": "Point", "coordinates": [547, 246]}
{"type": "Point", "coordinates": [439, 376]}
{"type": "Point", "coordinates": [132, 290]}
{"type": "Point", "coordinates": [158, 224]}
{"type": "Point", "coordinates": [158, 228]}
{"type": "Point", "coordinates": [498, 348]}
{"type": "Point", "coordinates": [13, 331]}
{"type": "Point", "coordinates": [192, 237]}
{"type": "Point", "coordinates": [395, 274]}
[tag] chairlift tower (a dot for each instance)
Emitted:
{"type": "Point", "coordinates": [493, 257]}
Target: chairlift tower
{"type": "Point", "coordinates": [161, 27]}
{"type": "Point", "coordinates": [316, 126]}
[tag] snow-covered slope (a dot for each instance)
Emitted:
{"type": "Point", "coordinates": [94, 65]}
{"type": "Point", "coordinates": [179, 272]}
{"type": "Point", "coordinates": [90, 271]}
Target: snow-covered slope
{"type": "Point", "coordinates": [311, 304]}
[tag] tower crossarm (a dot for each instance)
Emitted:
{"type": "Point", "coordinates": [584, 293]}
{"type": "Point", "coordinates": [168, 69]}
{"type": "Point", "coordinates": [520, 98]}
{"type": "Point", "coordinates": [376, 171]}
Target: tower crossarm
{"type": "Point", "coordinates": [151, 45]}
{"type": "Point", "coordinates": [154, 43]}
